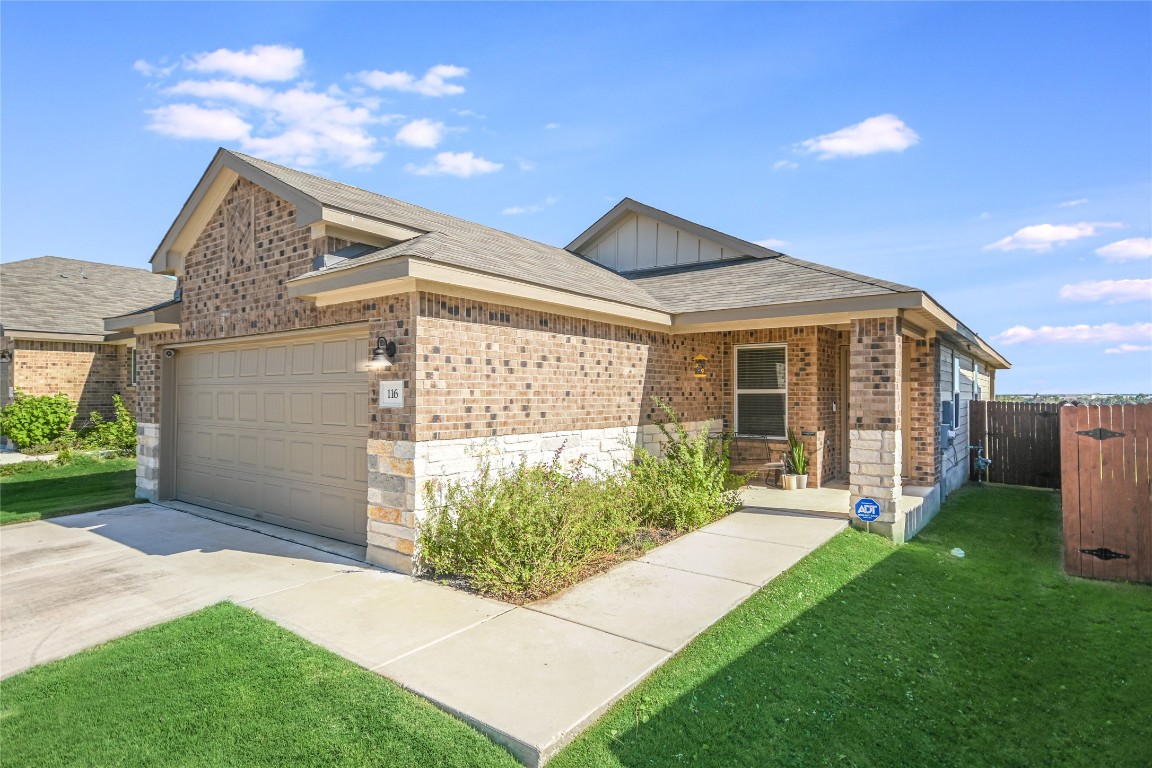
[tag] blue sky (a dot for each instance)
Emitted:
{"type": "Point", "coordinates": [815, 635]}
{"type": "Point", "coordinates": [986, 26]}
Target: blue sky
{"type": "Point", "coordinates": [997, 155]}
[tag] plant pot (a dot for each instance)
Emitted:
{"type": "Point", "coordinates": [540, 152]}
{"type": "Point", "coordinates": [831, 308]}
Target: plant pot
{"type": "Point", "coordinates": [801, 482]}
{"type": "Point", "coordinates": [790, 482]}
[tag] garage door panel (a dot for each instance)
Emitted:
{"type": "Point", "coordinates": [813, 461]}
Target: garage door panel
{"type": "Point", "coordinates": [248, 406]}
{"type": "Point", "coordinates": [277, 432]}
{"type": "Point", "coordinates": [300, 407]}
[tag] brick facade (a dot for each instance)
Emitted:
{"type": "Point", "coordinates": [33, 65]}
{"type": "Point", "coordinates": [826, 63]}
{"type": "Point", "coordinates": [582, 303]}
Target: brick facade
{"type": "Point", "coordinates": [88, 373]}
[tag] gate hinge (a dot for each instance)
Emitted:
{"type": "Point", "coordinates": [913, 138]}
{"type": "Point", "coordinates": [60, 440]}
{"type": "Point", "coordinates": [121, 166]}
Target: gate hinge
{"type": "Point", "coordinates": [1100, 433]}
{"type": "Point", "coordinates": [1104, 553]}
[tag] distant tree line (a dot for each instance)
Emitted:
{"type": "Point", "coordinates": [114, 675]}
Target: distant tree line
{"type": "Point", "coordinates": [1093, 399]}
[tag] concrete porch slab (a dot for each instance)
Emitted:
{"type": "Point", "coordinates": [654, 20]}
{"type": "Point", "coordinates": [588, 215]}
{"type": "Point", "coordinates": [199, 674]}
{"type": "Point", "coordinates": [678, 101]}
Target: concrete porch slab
{"type": "Point", "coordinates": [530, 681]}
{"type": "Point", "coordinates": [797, 530]}
{"type": "Point", "coordinates": [648, 603]}
{"type": "Point", "coordinates": [375, 617]}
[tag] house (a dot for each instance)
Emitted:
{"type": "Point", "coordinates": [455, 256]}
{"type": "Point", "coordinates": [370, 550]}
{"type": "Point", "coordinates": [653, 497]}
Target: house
{"type": "Point", "coordinates": [53, 339]}
{"type": "Point", "coordinates": [257, 397]}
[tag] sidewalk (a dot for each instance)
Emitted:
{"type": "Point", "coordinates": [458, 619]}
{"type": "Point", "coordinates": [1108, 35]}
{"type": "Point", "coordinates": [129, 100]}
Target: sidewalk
{"type": "Point", "coordinates": [533, 677]}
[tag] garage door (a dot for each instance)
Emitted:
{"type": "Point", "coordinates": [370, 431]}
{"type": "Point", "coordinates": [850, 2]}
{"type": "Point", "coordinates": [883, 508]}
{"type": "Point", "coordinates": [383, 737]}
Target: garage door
{"type": "Point", "coordinates": [277, 431]}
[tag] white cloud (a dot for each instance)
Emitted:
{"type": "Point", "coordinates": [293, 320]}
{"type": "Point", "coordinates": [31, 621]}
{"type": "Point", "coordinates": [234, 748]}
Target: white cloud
{"type": "Point", "coordinates": [551, 126]}
{"type": "Point", "coordinates": [517, 210]}
{"type": "Point", "coordinates": [1127, 349]}
{"type": "Point", "coordinates": [1073, 203]}
{"type": "Point", "coordinates": [152, 70]}
{"type": "Point", "coordinates": [1112, 291]}
{"type": "Point", "coordinates": [883, 133]}
{"type": "Point", "coordinates": [223, 90]}
{"type": "Point", "coordinates": [1108, 332]}
{"type": "Point", "coordinates": [784, 165]}
{"type": "Point", "coordinates": [264, 63]}
{"type": "Point", "coordinates": [772, 243]}
{"type": "Point", "coordinates": [189, 121]}
{"type": "Point", "coordinates": [462, 164]}
{"type": "Point", "coordinates": [422, 133]}
{"type": "Point", "coordinates": [433, 83]}
{"type": "Point", "coordinates": [1127, 250]}
{"type": "Point", "coordinates": [1042, 237]}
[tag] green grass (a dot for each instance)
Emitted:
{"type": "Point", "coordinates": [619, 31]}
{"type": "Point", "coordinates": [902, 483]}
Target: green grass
{"type": "Point", "coordinates": [867, 654]}
{"type": "Point", "coordinates": [224, 687]}
{"type": "Point", "coordinates": [50, 491]}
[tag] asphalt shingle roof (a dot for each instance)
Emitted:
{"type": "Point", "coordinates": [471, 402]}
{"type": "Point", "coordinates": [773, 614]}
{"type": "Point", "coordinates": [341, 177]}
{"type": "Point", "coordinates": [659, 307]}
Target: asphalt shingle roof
{"type": "Point", "coordinates": [464, 243]}
{"type": "Point", "coordinates": [51, 294]}
{"type": "Point", "coordinates": [755, 282]}
{"type": "Point", "coordinates": [747, 282]}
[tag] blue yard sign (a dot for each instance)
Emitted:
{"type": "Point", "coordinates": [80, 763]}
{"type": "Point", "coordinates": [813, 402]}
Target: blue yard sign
{"type": "Point", "coordinates": [867, 510]}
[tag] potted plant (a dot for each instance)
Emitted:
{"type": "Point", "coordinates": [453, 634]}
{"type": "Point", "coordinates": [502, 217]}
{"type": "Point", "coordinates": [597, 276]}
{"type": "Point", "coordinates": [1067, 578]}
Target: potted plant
{"type": "Point", "coordinates": [796, 464]}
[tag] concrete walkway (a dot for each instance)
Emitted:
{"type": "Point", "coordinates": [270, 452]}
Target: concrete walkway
{"type": "Point", "coordinates": [531, 677]}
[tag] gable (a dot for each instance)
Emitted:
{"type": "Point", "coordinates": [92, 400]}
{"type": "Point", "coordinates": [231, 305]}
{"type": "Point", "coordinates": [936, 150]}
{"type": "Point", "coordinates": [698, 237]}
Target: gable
{"type": "Point", "coordinates": [643, 242]}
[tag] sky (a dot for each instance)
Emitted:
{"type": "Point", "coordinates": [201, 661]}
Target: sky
{"type": "Point", "coordinates": [996, 155]}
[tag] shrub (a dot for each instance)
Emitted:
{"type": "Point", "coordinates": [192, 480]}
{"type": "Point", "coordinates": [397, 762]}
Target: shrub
{"type": "Point", "coordinates": [33, 420]}
{"type": "Point", "coordinates": [118, 435]}
{"type": "Point", "coordinates": [525, 532]}
{"type": "Point", "coordinates": [690, 485]}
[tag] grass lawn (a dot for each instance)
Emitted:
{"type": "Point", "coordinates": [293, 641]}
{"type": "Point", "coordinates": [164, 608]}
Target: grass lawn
{"type": "Point", "coordinates": [86, 484]}
{"type": "Point", "coordinates": [866, 654]}
{"type": "Point", "coordinates": [224, 687]}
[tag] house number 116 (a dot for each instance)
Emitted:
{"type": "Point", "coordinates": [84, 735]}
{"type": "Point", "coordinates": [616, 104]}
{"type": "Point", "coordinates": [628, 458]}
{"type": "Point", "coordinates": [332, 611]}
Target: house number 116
{"type": "Point", "coordinates": [391, 394]}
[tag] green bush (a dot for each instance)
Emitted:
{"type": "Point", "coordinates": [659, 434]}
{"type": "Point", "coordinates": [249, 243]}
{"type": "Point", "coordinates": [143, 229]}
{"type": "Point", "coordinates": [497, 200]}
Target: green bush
{"type": "Point", "coordinates": [33, 420]}
{"type": "Point", "coordinates": [118, 435]}
{"type": "Point", "coordinates": [525, 532]}
{"type": "Point", "coordinates": [690, 486]}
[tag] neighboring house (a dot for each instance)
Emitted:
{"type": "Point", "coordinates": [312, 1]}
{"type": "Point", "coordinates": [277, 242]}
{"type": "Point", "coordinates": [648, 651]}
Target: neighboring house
{"type": "Point", "coordinates": [53, 339]}
{"type": "Point", "coordinates": [256, 397]}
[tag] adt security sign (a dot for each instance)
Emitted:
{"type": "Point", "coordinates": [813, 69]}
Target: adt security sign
{"type": "Point", "coordinates": [867, 510]}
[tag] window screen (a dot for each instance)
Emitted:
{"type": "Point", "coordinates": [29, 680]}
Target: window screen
{"type": "Point", "coordinates": [761, 396]}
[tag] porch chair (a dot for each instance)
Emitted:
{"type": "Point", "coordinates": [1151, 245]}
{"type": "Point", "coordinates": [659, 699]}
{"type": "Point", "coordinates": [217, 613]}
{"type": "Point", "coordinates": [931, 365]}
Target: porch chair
{"type": "Point", "coordinates": [753, 454]}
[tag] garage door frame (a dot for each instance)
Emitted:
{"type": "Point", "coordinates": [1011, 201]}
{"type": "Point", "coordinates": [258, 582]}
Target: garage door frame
{"type": "Point", "coordinates": [167, 355]}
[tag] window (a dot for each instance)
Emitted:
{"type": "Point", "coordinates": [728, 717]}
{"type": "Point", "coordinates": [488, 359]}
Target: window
{"type": "Point", "coordinates": [132, 366]}
{"type": "Point", "coordinates": [761, 391]}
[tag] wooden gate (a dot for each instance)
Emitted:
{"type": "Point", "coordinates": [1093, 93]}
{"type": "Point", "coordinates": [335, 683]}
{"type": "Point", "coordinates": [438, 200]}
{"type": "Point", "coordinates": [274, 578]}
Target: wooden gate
{"type": "Point", "coordinates": [1021, 439]}
{"type": "Point", "coordinates": [1107, 491]}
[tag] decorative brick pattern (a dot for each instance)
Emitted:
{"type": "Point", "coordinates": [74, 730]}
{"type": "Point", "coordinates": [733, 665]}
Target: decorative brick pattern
{"type": "Point", "coordinates": [88, 373]}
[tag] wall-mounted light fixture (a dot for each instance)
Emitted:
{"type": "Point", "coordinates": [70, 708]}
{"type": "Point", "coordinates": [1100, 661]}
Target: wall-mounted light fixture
{"type": "Point", "coordinates": [699, 367]}
{"type": "Point", "coordinates": [382, 355]}
{"type": "Point", "coordinates": [5, 355]}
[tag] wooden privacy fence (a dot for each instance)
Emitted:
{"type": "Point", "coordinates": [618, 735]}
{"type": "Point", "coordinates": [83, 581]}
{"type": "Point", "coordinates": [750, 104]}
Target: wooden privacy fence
{"type": "Point", "coordinates": [1107, 490]}
{"type": "Point", "coordinates": [1021, 439]}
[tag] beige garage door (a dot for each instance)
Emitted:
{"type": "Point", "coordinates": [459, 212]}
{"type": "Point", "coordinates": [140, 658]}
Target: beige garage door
{"type": "Point", "coordinates": [277, 431]}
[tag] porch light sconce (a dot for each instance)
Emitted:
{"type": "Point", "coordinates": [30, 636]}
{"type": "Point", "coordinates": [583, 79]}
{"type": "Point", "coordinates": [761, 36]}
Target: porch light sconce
{"type": "Point", "coordinates": [698, 367]}
{"type": "Point", "coordinates": [5, 356]}
{"type": "Point", "coordinates": [382, 355]}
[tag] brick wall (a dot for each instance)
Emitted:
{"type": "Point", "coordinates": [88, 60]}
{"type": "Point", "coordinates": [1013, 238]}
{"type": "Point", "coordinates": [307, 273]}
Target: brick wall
{"type": "Point", "coordinates": [88, 373]}
{"type": "Point", "coordinates": [487, 369]}
{"type": "Point", "coordinates": [921, 421]}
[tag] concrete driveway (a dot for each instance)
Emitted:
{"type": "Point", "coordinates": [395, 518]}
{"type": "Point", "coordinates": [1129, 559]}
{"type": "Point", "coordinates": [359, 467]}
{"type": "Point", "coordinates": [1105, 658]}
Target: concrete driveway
{"type": "Point", "coordinates": [72, 582]}
{"type": "Point", "coordinates": [530, 677]}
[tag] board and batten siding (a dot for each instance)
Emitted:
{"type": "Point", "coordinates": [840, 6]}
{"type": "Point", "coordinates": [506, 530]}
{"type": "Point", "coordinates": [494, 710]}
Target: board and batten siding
{"type": "Point", "coordinates": [641, 242]}
{"type": "Point", "coordinates": [955, 458]}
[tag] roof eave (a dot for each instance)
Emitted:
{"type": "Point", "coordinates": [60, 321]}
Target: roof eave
{"type": "Point", "coordinates": [164, 318]}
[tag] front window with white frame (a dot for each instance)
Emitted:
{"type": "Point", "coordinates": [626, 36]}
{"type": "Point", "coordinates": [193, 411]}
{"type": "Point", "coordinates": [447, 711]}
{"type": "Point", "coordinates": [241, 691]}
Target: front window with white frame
{"type": "Point", "coordinates": [761, 404]}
